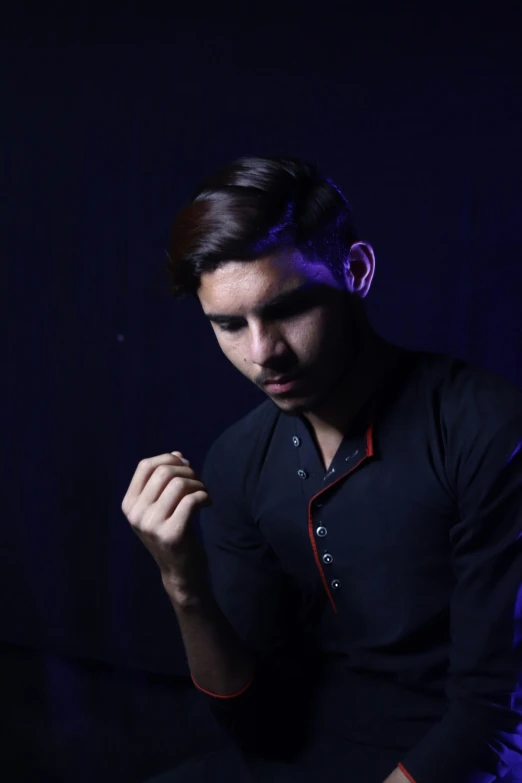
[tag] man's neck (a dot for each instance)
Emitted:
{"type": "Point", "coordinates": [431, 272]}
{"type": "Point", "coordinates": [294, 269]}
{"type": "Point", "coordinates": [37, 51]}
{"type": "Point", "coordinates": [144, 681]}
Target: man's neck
{"type": "Point", "coordinates": [335, 415]}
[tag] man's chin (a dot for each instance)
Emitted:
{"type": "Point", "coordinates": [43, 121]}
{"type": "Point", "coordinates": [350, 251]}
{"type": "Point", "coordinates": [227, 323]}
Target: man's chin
{"type": "Point", "coordinates": [293, 406]}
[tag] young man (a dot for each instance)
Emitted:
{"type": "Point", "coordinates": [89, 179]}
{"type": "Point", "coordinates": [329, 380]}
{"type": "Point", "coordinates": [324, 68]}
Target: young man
{"type": "Point", "coordinates": [361, 526]}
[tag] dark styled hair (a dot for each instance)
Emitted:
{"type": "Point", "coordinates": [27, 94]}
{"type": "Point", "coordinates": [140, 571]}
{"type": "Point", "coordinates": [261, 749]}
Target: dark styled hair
{"type": "Point", "coordinates": [255, 206]}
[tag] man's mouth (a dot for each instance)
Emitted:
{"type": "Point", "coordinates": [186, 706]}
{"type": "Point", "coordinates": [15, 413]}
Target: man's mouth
{"type": "Point", "coordinates": [281, 384]}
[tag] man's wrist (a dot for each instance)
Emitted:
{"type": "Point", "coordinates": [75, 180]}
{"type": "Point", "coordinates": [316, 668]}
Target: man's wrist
{"type": "Point", "coordinates": [184, 593]}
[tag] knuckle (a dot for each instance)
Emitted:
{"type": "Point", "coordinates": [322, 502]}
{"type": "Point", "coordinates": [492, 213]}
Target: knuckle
{"type": "Point", "coordinates": [148, 520]}
{"type": "Point", "coordinates": [143, 464]}
{"type": "Point", "coordinates": [133, 517]}
{"type": "Point", "coordinates": [163, 471]}
{"type": "Point", "coordinates": [178, 483]}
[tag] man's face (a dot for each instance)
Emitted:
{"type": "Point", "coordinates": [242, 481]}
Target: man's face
{"type": "Point", "coordinates": [279, 317]}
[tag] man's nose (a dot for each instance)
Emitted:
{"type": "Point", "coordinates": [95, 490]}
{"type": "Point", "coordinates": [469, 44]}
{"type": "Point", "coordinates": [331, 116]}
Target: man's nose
{"type": "Point", "coordinates": [266, 343]}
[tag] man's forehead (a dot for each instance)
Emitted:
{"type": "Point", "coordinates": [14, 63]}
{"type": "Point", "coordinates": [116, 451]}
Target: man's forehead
{"type": "Point", "coordinates": [252, 284]}
{"type": "Point", "coordinates": [247, 284]}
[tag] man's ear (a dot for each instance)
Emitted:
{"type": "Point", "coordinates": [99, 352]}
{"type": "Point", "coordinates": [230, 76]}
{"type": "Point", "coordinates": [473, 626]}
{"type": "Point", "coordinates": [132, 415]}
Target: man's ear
{"type": "Point", "coordinates": [360, 268]}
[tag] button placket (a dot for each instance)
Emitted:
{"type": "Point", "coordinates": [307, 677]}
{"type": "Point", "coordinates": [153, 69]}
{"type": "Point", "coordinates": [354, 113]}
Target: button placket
{"type": "Point", "coordinates": [351, 455]}
{"type": "Point", "coordinates": [302, 473]}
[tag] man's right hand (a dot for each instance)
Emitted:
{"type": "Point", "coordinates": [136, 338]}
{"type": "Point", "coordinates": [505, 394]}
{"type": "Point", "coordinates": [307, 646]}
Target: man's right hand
{"type": "Point", "coordinates": [160, 502]}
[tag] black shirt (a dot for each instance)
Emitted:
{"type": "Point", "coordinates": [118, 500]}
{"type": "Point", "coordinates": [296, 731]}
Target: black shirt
{"type": "Point", "coordinates": [383, 597]}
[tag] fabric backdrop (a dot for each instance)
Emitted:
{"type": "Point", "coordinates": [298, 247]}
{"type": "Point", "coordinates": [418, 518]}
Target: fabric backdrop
{"type": "Point", "coordinates": [110, 118]}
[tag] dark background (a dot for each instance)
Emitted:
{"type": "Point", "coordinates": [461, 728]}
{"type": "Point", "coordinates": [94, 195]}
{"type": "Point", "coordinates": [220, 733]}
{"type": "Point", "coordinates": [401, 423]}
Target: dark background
{"type": "Point", "coordinates": [110, 117]}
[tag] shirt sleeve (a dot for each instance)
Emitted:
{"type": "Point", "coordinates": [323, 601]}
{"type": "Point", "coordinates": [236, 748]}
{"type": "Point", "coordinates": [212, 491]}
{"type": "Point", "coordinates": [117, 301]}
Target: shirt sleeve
{"type": "Point", "coordinates": [479, 740]}
{"type": "Point", "coordinates": [259, 602]}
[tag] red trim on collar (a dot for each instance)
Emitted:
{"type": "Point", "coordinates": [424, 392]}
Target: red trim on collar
{"type": "Point", "coordinates": [369, 440]}
{"type": "Point", "coordinates": [405, 772]}
{"type": "Point", "coordinates": [369, 453]}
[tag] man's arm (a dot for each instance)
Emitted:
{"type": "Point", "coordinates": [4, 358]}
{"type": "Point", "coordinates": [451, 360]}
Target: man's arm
{"type": "Point", "coordinates": [161, 502]}
{"type": "Point", "coordinates": [261, 608]}
{"type": "Point", "coordinates": [480, 737]}
{"type": "Point", "coordinates": [219, 663]}
{"type": "Point", "coordinates": [231, 627]}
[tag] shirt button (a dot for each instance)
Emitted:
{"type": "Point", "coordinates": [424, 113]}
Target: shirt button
{"type": "Point", "coordinates": [296, 441]}
{"type": "Point", "coordinates": [327, 558]}
{"type": "Point", "coordinates": [335, 584]}
{"type": "Point", "coordinates": [302, 474]}
{"type": "Point", "coordinates": [321, 531]}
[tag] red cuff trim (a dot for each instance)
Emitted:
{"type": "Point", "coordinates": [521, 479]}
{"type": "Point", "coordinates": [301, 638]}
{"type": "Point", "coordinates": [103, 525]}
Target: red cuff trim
{"type": "Point", "coordinates": [220, 695]}
{"type": "Point", "coordinates": [405, 772]}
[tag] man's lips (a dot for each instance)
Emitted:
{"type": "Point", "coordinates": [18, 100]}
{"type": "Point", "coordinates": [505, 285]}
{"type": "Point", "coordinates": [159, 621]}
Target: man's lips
{"type": "Point", "coordinates": [281, 383]}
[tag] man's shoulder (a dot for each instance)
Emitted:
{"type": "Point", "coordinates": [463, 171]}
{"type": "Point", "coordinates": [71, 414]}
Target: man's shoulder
{"type": "Point", "coordinates": [466, 389]}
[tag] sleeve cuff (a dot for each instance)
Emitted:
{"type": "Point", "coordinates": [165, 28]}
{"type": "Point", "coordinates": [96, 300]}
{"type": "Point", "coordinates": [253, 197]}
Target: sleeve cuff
{"type": "Point", "coordinates": [220, 695]}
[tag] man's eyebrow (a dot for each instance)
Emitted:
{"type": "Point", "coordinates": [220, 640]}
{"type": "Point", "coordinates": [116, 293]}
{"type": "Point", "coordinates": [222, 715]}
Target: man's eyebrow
{"type": "Point", "coordinates": [285, 297]}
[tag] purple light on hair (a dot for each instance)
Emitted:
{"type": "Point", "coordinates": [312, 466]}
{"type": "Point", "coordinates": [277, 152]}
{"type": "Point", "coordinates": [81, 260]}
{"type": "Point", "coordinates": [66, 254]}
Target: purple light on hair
{"type": "Point", "coordinates": [517, 449]}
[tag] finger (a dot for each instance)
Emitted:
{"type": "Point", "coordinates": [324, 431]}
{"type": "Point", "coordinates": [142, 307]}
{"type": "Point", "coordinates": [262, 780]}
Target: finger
{"type": "Point", "coordinates": [174, 492]}
{"type": "Point", "coordinates": [143, 473]}
{"type": "Point", "coordinates": [186, 507]}
{"type": "Point", "coordinates": [160, 478]}
{"type": "Point", "coordinates": [180, 455]}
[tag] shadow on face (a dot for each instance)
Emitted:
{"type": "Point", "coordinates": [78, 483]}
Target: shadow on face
{"type": "Point", "coordinates": [283, 316]}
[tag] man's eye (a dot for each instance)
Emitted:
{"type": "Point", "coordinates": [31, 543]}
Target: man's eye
{"type": "Point", "coordinates": [229, 327]}
{"type": "Point", "coordinates": [291, 308]}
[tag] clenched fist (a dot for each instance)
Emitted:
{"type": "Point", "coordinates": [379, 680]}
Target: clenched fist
{"type": "Point", "coordinates": [160, 502]}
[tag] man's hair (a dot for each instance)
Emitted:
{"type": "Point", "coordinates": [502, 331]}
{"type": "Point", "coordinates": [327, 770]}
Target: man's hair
{"type": "Point", "coordinates": [254, 207]}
